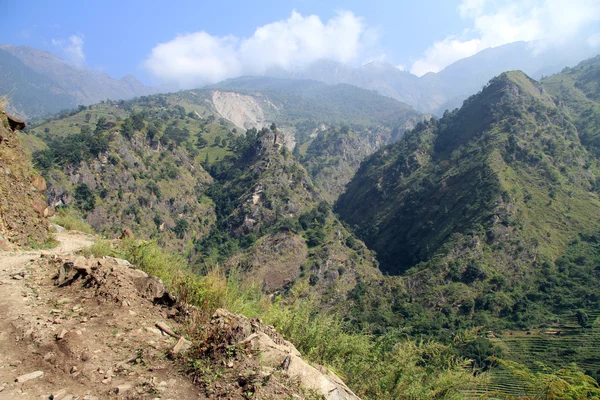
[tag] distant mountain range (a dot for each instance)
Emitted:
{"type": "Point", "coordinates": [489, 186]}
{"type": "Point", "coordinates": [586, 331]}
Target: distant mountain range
{"type": "Point", "coordinates": [39, 83]}
{"type": "Point", "coordinates": [436, 92]}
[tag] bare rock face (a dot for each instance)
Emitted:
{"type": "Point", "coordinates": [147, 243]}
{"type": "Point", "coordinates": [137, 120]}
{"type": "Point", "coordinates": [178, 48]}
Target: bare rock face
{"type": "Point", "coordinates": [16, 124]}
{"type": "Point", "coordinates": [23, 207]}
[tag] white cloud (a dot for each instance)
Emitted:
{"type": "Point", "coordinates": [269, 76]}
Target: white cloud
{"type": "Point", "coordinates": [494, 23]}
{"type": "Point", "coordinates": [401, 67]}
{"type": "Point", "coordinates": [199, 58]}
{"type": "Point", "coordinates": [72, 49]}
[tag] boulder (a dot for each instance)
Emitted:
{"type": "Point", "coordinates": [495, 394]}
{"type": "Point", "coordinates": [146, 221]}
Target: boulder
{"type": "Point", "coordinates": [15, 123]}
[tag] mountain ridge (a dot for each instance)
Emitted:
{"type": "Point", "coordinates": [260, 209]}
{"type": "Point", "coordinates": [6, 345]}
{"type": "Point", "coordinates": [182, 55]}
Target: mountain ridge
{"type": "Point", "coordinates": [80, 84]}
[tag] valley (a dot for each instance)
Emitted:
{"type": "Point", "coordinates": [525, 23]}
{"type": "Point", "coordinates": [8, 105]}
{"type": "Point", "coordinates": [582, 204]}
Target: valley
{"type": "Point", "coordinates": [324, 232]}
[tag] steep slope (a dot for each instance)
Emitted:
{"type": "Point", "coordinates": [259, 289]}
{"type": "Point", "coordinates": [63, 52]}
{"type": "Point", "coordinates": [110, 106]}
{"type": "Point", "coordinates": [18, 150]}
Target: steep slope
{"type": "Point", "coordinates": [22, 204]}
{"type": "Point", "coordinates": [334, 155]}
{"type": "Point", "coordinates": [474, 209]}
{"type": "Point", "coordinates": [75, 84]}
{"type": "Point", "coordinates": [578, 88]}
{"type": "Point", "coordinates": [121, 169]}
{"type": "Point", "coordinates": [273, 225]}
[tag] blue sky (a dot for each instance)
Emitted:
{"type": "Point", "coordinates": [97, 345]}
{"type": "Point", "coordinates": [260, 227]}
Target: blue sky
{"type": "Point", "coordinates": [192, 42]}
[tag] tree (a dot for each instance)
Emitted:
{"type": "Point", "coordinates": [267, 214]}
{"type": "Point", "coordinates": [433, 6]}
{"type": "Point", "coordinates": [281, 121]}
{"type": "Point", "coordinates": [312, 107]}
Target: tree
{"type": "Point", "coordinates": [217, 141]}
{"type": "Point", "coordinates": [127, 128]}
{"type": "Point", "coordinates": [138, 121]}
{"type": "Point", "coordinates": [181, 227]}
{"type": "Point", "coordinates": [201, 142]}
{"type": "Point", "coordinates": [582, 318]}
{"type": "Point", "coordinates": [84, 198]}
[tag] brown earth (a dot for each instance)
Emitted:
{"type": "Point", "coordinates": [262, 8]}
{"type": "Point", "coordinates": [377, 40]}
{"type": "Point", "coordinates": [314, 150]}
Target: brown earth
{"type": "Point", "coordinates": [23, 207]}
{"type": "Point", "coordinates": [93, 341]}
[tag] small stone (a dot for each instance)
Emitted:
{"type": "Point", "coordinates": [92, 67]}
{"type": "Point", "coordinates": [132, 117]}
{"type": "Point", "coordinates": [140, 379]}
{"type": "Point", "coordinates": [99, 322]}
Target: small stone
{"type": "Point", "coordinates": [29, 376]}
{"type": "Point", "coordinates": [105, 381]}
{"type": "Point", "coordinates": [123, 388]}
{"type": "Point", "coordinates": [84, 320]}
{"type": "Point", "coordinates": [62, 334]}
{"type": "Point", "coordinates": [163, 384]}
{"type": "Point", "coordinates": [73, 369]}
{"type": "Point", "coordinates": [15, 363]}
{"type": "Point", "coordinates": [58, 394]}
{"type": "Point", "coordinates": [86, 356]}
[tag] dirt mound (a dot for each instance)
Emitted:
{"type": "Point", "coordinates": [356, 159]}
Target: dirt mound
{"type": "Point", "coordinates": [22, 205]}
{"type": "Point", "coordinates": [87, 328]}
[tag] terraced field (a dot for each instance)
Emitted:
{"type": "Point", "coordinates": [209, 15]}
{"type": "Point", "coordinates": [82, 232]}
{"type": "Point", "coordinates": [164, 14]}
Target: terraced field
{"type": "Point", "coordinates": [555, 347]}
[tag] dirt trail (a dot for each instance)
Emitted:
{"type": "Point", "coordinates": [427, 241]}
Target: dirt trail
{"type": "Point", "coordinates": [69, 243]}
{"type": "Point", "coordinates": [90, 341]}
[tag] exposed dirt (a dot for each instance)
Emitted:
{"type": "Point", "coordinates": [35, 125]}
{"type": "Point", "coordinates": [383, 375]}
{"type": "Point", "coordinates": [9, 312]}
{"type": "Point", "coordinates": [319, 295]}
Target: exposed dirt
{"type": "Point", "coordinates": [22, 205]}
{"type": "Point", "coordinates": [95, 338]}
{"type": "Point", "coordinates": [242, 110]}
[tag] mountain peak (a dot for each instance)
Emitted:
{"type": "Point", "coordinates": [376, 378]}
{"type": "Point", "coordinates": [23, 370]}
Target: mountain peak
{"type": "Point", "coordinates": [525, 85]}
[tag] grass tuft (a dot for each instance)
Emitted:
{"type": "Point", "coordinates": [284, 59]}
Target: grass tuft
{"type": "Point", "coordinates": [70, 220]}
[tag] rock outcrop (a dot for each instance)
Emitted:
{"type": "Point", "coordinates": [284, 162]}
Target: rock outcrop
{"type": "Point", "coordinates": [22, 205]}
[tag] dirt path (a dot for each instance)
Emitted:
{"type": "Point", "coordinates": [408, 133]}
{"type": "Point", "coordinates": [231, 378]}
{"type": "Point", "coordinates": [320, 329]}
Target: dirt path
{"type": "Point", "coordinates": [69, 243]}
{"type": "Point", "coordinates": [85, 342]}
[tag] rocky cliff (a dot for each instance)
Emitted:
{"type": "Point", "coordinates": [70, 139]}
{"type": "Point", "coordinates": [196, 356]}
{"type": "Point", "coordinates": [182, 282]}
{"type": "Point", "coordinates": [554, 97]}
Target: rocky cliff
{"type": "Point", "coordinates": [22, 205]}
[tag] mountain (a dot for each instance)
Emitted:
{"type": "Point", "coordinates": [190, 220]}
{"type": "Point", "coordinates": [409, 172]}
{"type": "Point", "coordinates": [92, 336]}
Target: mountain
{"type": "Point", "coordinates": [30, 93]}
{"type": "Point", "coordinates": [58, 84]}
{"type": "Point", "coordinates": [436, 92]}
{"type": "Point", "coordinates": [384, 78]}
{"type": "Point", "coordinates": [273, 225]}
{"type": "Point", "coordinates": [174, 169]}
{"type": "Point", "coordinates": [101, 167]}
{"type": "Point", "coordinates": [477, 212]}
{"type": "Point", "coordinates": [332, 127]}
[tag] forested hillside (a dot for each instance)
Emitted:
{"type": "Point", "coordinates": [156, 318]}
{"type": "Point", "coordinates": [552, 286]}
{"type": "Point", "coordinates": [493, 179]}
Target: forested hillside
{"type": "Point", "coordinates": [476, 211]}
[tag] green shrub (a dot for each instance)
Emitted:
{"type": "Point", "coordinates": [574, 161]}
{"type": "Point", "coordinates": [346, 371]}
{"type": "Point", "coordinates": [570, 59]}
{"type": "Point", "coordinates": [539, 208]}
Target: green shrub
{"type": "Point", "coordinates": [71, 220]}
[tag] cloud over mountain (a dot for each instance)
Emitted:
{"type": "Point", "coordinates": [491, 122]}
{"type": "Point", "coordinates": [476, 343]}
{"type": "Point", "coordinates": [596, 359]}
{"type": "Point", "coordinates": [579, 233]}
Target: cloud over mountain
{"type": "Point", "coordinates": [545, 22]}
{"type": "Point", "coordinates": [199, 58]}
{"type": "Point", "coordinates": [72, 49]}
